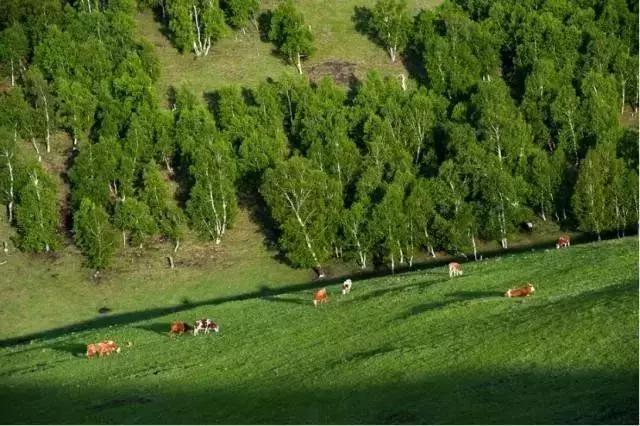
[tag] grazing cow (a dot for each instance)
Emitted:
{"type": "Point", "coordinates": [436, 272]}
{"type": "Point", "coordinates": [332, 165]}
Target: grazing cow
{"type": "Point", "coordinates": [320, 297]}
{"type": "Point", "coordinates": [205, 325]}
{"type": "Point", "coordinates": [346, 286]}
{"type": "Point", "coordinates": [454, 269]}
{"type": "Point", "coordinates": [179, 327]}
{"type": "Point", "coordinates": [106, 347]}
{"type": "Point", "coordinates": [520, 292]}
{"type": "Point", "coordinates": [563, 241]}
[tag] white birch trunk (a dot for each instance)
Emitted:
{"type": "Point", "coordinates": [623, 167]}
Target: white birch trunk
{"type": "Point", "coordinates": [623, 87]}
{"type": "Point", "coordinates": [35, 146]}
{"type": "Point", "coordinates": [475, 249]}
{"type": "Point", "coordinates": [36, 184]}
{"type": "Point", "coordinates": [303, 225]}
{"type": "Point", "coordinates": [11, 185]}
{"type": "Point", "coordinates": [217, 225]}
{"type": "Point", "coordinates": [13, 79]}
{"type": "Point", "coordinates": [46, 116]}
{"type": "Point", "coordinates": [573, 137]}
{"type": "Point", "coordinates": [298, 63]}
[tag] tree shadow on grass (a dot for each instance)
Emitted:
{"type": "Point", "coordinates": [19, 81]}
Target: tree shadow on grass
{"type": "Point", "coordinates": [362, 19]}
{"type": "Point", "coordinates": [264, 25]}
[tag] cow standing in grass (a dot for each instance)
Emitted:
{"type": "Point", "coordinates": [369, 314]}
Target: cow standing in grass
{"type": "Point", "coordinates": [346, 286]}
{"type": "Point", "coordinates": [179, 327]}
{"type": "Point", "coordinates": [563, 241]}
{"type": "Point", "coordinates": [454, 269]}
{"type": "Point", "coordinates": [205, 325]}
{"type": "Point", "coordinates": [320, 297]}
{"type": "Point", "coordinates": [104, 348]}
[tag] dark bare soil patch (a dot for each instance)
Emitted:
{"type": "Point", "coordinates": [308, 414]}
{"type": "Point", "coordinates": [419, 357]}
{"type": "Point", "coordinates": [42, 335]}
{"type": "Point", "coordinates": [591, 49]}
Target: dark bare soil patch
{"type": "Point", "coordinates": [342, 72]}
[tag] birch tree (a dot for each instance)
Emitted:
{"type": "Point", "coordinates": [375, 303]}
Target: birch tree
{"type": "Point", "coordinates": [37, 213]}
{"type": "Point", "coordinates": [43, 102]}
{"type": "Point", "coordinates": [134, 220]}
{"type": "Point", "coordinates": [420, 207]}
{"type": "Point", "coordinates": [391, 23]}
{"type": "Point", "coordinates": [76, 107]}
{"type": "Point", "coordinates": [212, 202]}
{"type": "Point", "coordinates": [94, 235]}
{"type": "Point", "coordinates": [239, 13]}
{"type": "Point", "coordinates": [567, 121]}
{"type": "Point", "coordinates": [357, 230]}
{"type": "Point", "coordinates": [501, 199]}
{"type": "Point", "coordinates": [195, 24]}
{"type": "Point", "coordinates": [296, 194]}
{"type": "Point", "coordinates": [8, 171]}
{"type": "Point", "coordinates": [501, 126]}
{"type": "Point", "coordinates": [290, 34]}
{"type": "Point", "coordinates": [156, 194]}
{"type": "Point", "coordinates": [389, 223]}
{"type": "Point", "coordinates": [14, 49]}
{"type": "Point", "coordinates": [590, 198]}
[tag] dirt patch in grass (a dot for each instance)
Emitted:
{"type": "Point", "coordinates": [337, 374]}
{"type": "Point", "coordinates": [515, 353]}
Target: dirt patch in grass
{"type": "Point", "coordinates": [342, 72]}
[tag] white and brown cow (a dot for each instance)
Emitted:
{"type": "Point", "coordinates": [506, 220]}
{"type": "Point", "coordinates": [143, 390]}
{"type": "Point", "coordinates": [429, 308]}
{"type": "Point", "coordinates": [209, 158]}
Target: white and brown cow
{"type": "Point", "coordinates": [454, 269]}
{"type": "Point", "coordinates": [563, 241]}
{"type": "Point", "coordinates": [104, 348]}
{"type": "Point", "coordinates": [346, 286]}
{"type": "Point", "coordinates": [525, 291]}
{"type": "Point", "coordinates": [205, 325]}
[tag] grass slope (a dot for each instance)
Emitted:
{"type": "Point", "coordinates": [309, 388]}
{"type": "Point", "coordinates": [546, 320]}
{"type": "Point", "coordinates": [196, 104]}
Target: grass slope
{"type": "Point", "coordinates": [243, 59]}
{"type": "Point", "coordinates": [412, 348]}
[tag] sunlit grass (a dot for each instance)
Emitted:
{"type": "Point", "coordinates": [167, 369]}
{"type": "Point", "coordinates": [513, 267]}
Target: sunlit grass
{"type": "Point", "coordinates": [413, 348]}
{"type": "Point", "coordinates": [245, 60]}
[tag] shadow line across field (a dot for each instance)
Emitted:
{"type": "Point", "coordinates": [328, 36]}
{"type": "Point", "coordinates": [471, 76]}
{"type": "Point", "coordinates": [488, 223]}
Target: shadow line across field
{"type": "Point", "coordinates": [263, 292]}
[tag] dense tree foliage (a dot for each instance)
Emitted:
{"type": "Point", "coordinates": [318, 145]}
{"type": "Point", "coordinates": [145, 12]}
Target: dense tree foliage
{"type": "Point", "coordinates": [517, 114]}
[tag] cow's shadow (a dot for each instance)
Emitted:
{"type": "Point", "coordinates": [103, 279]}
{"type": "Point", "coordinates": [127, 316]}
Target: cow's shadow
{"type": "Point", "coordinates": [294, 300]}
{"type": "Point", "coordinates": [451, 298]}
{"type": "Point", "coordinates": [161, 328]}
{"type": "Point", "coordinates": [76, 349]}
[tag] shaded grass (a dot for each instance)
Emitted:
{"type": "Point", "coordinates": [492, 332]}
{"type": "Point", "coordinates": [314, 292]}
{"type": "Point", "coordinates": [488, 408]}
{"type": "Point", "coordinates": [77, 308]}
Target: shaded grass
{"type": "Point", "coordinates": [567, 354]}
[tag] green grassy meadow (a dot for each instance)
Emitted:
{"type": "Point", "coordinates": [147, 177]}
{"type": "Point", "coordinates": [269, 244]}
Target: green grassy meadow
{"type": "Point", "coordinates": [412, 348]}
{"type": "Point", "coordinates": [244, 60]}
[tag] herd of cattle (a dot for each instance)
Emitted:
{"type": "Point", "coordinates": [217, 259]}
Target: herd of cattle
{"type": "Point", "coordinates": [205, 325]}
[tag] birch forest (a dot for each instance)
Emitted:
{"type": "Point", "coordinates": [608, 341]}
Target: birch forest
{"type": "Point", "coordinates": [514, 112]}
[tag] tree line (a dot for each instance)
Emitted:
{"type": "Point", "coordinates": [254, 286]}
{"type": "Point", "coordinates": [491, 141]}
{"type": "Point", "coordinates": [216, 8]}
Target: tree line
{"type": "Point", "coordinates": [517, 114]}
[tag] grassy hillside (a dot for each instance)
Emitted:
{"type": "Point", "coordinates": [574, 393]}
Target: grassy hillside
{"type": "Point", "coordinates": [245, 60]}
{"type": "Point", "coordinates": [413, 348]}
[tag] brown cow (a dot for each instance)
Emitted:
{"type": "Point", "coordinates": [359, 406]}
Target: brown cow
{"type": "Point", "coordinates": [454, 269]}
{"type": "Point", "coordinates": [179, 327]}
{"type": "Point", "coordinates": [520, 292]}
{"type": "Point", "coordinates": [106, 347]}
{"type": "Point", "coordinates": [320, 297]}
{"type": "Point", "coordinates": [563, 241]}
